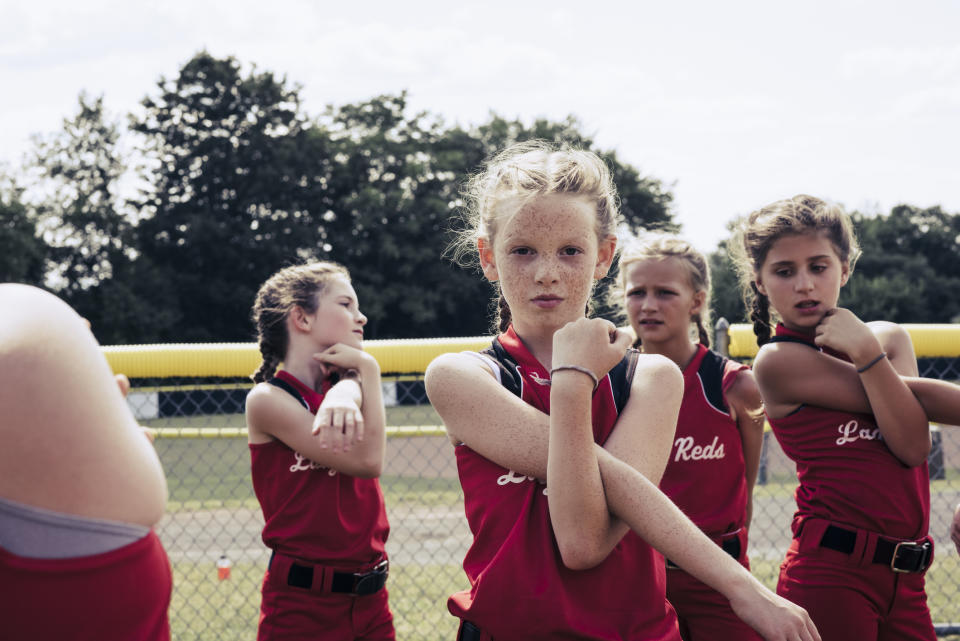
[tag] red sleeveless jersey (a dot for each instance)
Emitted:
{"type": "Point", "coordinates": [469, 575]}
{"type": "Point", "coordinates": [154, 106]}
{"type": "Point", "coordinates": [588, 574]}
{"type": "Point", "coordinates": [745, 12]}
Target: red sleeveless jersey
{"type": "Point", "coordinates": [705, 474]}
{"type": "Point", "coordinates": [520, 588]}
{"type": "Point", "coordinates": [314, 513]}
{"type": "Point", "coordinates": [120, 594]}
{"type": "Point", "coordinates": [847, 473]}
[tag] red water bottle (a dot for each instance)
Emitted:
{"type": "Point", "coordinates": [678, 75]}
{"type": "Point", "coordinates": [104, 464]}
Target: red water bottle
{"type": "Point", "coordinates": [223, 568]}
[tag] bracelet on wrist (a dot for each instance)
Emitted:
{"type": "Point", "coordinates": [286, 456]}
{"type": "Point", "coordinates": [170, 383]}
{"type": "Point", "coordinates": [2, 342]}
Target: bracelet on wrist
{"type": "Point", "coordinates": [577, 368]}
{"type": "Point", "coordinates": [861, 370]}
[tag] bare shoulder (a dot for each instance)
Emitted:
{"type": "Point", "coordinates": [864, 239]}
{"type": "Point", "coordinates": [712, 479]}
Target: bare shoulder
{"type": "Point", "coordinates": [890, 335]}
{"type": "Point", "coordinates": [266, 409]}
{"type": "Point", "coordinates": [743, 391]}
{"type": "Point", "coordinates": [657, 373]}
{"type": "Point", "coordinates": [455, 368]}
{"type": "Point", "coordinates": [896, 342]}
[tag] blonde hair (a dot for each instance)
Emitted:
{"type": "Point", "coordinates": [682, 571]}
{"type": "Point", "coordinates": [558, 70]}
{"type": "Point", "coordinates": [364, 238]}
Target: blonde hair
{"type": "Point", "coordinates": [524, 171]}
{"type": "Point", "coordinates": [757, 233]}
{"type": "Point", "coordinates": [295, 286]}
{"type": "Point", "coordinates": [659, 246]}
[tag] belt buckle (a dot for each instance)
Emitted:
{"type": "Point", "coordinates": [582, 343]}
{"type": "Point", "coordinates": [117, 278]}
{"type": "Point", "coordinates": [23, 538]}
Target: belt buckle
{"type": "Point", "coordinates": [372, 581]}
{"type": "Point", "coordinates": [910, 545]}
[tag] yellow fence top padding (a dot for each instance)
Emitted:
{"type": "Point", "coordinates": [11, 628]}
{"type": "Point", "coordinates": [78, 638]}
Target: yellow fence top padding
{"type": "Point", "coordinates": [241, 359]}
{"type": "Point", "coordinates": [929, 341]}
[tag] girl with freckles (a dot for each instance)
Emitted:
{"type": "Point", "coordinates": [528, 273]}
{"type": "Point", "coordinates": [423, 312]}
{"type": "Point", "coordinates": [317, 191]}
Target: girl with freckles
{"type": "Point", "coordinates": [561, 432]}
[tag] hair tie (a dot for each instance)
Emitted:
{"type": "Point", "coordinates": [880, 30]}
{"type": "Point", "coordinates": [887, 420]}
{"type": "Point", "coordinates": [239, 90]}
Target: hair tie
{"type": "Point", "coordinates": [861, 370]}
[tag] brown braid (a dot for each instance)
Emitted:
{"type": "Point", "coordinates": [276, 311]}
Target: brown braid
{"type": "Point", "coordinates": [702, 331]}
{"type": "Point", "coordinates": [760, 315]}
{"type": "Point", "coordinates": [503, 314]}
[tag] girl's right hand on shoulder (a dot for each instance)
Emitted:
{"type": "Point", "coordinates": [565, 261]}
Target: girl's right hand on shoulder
{"type": "Point", "coordinates": [339, 421]}
{"type": "Point", "coordinates": [593, 343]}
{"type": "Point", "coordinates": [840, 329]}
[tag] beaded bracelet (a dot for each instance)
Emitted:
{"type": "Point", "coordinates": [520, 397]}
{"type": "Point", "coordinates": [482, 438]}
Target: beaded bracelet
{"type": "Point", "coordinates": [577, 368]}
{"type": "Point", "coordinates": [882, 356]}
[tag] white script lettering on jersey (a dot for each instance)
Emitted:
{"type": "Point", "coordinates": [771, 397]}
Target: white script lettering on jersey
{"type": "Point", "coordinates": [513, 477]}
{"type": "Point", "coordinates": [303, 464]}
{"type": "Point", "coordinates": [851, 432]}
{"type": "Point", "coordinates": [687, 451]}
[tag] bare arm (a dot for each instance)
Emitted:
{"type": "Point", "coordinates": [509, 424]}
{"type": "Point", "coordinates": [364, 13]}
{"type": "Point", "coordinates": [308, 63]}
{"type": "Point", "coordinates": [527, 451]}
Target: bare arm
{"type": "Point", "coordinates": [790, 375]}
{"type": "Point", "coordinates": [586, 532]}
{"type": "Point", "coordinates": [743, 398]}
{"type": "Point", "coordinates": [273, 412]}
{"type": "Point", "coordinates": [940, 399]}
{"type": "Point", "coordinates": [70, 443]}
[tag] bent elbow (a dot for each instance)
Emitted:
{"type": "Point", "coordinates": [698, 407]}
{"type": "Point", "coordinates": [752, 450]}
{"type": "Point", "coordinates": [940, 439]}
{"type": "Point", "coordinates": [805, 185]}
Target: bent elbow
{"type": "Point", "coordinates": [578, 556]}
{"type": "Point", "coordinates": [370, 467]}
{"type": "Point", "coordinates": [917, 457]}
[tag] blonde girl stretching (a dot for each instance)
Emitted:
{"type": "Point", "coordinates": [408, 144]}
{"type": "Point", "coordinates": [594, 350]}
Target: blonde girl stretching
{"type": "Point", "coordinates": [843, 402]}
{"type": "Point", "coordinates": [664, 287]}
{"type": "Point", "coordinates": [316, 433]}
{"type": "Point", "coordinates": [558, 402]}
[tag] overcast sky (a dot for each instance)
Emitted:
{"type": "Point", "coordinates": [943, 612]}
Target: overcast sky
{"type": "Point", "coordinates": [731, 104]}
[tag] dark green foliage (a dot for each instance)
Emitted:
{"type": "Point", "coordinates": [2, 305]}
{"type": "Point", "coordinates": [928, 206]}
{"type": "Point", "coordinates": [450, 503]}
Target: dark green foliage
{"type": "Point", "coordinates": [21, 251]}
{"type": "Point", "coordinates": [909, 271]}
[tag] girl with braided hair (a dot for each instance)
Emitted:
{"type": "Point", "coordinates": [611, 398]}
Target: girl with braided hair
{"type": "Point", "coordinates": [844, 402]}
{"type": "Point", "coordinates": [664, 287]}
{"type": "Point", "coordinates": [561, 432]}
{"type": "Point", "coordinates": [317, 441]}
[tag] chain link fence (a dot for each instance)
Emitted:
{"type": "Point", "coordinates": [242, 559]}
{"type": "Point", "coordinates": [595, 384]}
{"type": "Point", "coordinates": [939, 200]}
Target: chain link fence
{"type": "Point", "coordinates": [213, 518]}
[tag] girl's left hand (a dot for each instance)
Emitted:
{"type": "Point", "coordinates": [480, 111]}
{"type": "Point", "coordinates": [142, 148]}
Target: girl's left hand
{"type": "Point", "coordinates": [339, 421]}
{"type": "Point", "coordinates": [841, 330]}
{"type": "Point", "coordinates": [340, 358]}
{"type": "Point", "coordinates": [593, 343]}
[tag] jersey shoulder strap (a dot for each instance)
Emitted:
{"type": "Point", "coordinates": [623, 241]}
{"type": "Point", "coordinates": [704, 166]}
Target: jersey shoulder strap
{"type": "Point", "coordinates": [621, 378]}
{"type": "Point", "coordinates": [290, 389]}
{"type": "Point", "coordinates": [509, 375]}
{"type": "Point", "coordinates": [711, 371]}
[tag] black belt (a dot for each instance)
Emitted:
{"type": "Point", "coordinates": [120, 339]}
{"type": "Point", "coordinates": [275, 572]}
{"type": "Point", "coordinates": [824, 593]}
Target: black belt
{"type": "Point", "coordinates": [354, 583]}
{"type": "Point", "coordinates": [731, 546]}
{"type": "Point", "coordinates": [899, 556]}
{"type": "Point", "coordinates": [469, 632]}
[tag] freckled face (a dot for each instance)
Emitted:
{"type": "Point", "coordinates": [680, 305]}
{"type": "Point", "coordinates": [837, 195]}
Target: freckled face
{"type": "Point", "coordinates": [802, 276]}
{"type": "Point", "coordinates": [338, 318]}
{"type": "Point", "coordinates": [660, 299]}
{"type": "Point", "coordinates": [546, 257]}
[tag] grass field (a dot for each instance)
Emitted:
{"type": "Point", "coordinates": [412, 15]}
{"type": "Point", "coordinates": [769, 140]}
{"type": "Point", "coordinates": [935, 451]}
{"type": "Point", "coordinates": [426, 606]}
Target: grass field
{"type": "Point", "coordinates": [212, 510]}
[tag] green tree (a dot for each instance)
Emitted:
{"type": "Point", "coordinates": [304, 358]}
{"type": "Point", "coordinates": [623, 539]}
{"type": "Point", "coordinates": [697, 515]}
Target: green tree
{"type": "Point", "coordinates": [237, 181]}
{"type": "Point", "coordinates": [398, 187]}
{"type": "Point", "coordinates": [74, 181]}
{"type": "Point", "coordinates": [909, 271]}
{"type": "Point", "coordinates": [910, 268]}
{"type": "Point", "coordinates": [21, 250]}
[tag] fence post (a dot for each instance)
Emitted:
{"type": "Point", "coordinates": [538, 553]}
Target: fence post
{"type": "Point", "coordinates": [935, 458]}
{"type": "Point", "coordinates": [721, 337]}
